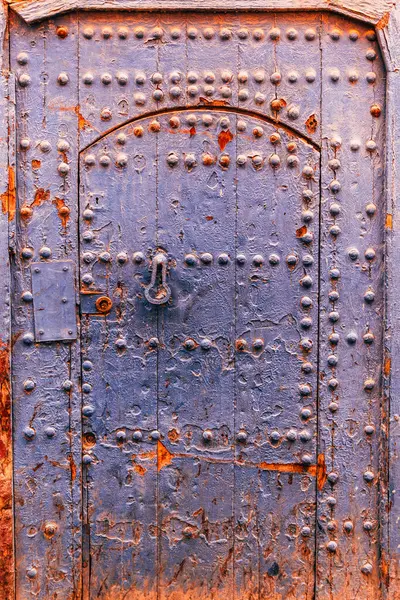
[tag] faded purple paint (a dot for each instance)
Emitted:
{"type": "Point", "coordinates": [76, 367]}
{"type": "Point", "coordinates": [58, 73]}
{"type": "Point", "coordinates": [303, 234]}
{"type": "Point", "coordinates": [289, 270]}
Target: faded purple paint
{"type": "Point", "coordinates": [209, 423]}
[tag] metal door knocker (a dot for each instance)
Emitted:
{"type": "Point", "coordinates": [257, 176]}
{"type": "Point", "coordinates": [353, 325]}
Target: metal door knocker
{"type": "Point", "coordinates": [158, 292]}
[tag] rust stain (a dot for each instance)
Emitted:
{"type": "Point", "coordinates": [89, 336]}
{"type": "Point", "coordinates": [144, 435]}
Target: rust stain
{"type": "Point", "coordinates": [321, 471]}
{"type": "Point", "coordinates": [387, 366]}
{"type": "Point", "coordinates": [8, 198]}
{"type": "Point", "coordinates": [311, 124]}
{"type": "Point", "coordinates": [277, 104]}
{"type": "Point", "coordinates": [72, 467]}
{"type": "Point", "coordinates": [287, 468]}
{"type": "Point", "coordinates": [36, 164]}
{"type": "Point", "coordinates": [301, 231]}
{"type": "Point", "coordinates": [62, 210]}
{"type": "Point", "coordinates": [383, 21]}
{"type": "Point", "coordinates": [208, 159]}
{"type": "Point", "coordinates": [164, 456]}
{"type": "Point", "coordinates": [173, 435]}
{"type": "Point", "coordinates": [82, 122]}
{"type": "Point", "coordinates": [41, 196]}
{"type": "Point", "coordinates": [140, 469]}
{"type": "Point", "coordinates": [224, 138]}
{"type": "Point", "coordinates": [389, 221]}
{"type": "Point", "coordinates": [6, 544]}
{"type": "Point", "coordinates": [192, 131]}
{"type": "Point", "coordinates": [208, 102]}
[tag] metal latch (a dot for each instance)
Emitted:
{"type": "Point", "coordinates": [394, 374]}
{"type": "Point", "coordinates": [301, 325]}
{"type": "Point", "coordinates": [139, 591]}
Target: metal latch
{"type": "Point", "coordinates": [54, 306]}
{"type": "Point", "coordinates": [95, 303]}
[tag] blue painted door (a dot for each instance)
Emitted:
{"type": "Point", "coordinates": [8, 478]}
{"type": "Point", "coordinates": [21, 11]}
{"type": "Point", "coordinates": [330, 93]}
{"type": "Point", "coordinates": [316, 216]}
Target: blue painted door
{"type": "Point", "coordinates": [197, 256]}
{"type": "Point", "coordinates": [199, 408]}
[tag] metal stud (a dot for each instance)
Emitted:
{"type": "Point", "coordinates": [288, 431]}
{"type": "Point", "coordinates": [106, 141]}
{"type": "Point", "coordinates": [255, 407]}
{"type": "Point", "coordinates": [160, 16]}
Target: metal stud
{"type": "Point", "coordinates": [274, 161]}
{"type": "Point", "coordinates": [24, 80]}
{"type": "Point", "coordinates": [223, 259]}
{"type": "Point", "coordinates": [275, 437]}
{"type": "Point", "coordinates": [45, 252]}
{"type": "Point", "coordinates": [137, 436]}
{"type": "Point", "coordinates": [189, 344]}
{"type": "Point", "coordinates": [29, 433]}
{"type": "Point", "coordinates": [367, 569]}
{"type": "Point", "coordinates": [225, 34]}
{"type": "Point", "coordinates": [63, 169]}
{"type": "Point", "coordinates": [63, 78]}
{"type": "Point", "coordinates": [291, 34]}
{"type": "Point", "coordinates": [311, 75]}
{"type": "Point", "coordinates": [29, 385]}
{"type": "Point", "coordinates": [50, 432]}
{"type": "Point", "coordinates": [369, 296]}
{"type": "Point", "coordinates": [242, 436]}
{"type": "Point", "coordinates": [205, 344]}
{"type": "Point", "coordinates": [310, 34]}
{"type": "Point", "coordinates": [207, 435]}
{"type": "Point", "coordinates": [120, 436]}
{"type": "Point", "coordinates": [67, 385]}
{"type": "Point", "coordinates": [369, 385]}
{"type": "Point", "coordinates": [293, 112]}
{"type": "Point", "coordinates": [332, 360]}
{"type": "Point", "coordinates": [190, 161]}
{"type": "Point", "coordinates": [208, 33]}
{"type": "Point", "coordinates": [23, 58]}
{"type": "Point", "coordinates": [28, 339]}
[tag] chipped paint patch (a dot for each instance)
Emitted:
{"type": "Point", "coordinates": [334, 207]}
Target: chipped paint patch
{"type": "Point", "coordinates": [8, 198]}
{"type": "Point", "coordinates": [224, 138]}
{"type": "Point", "coordinates": [6, 526]}
{"type": "Point", "coordinates": [41, 196]}
{"type": "Point", "coordinates": [164, 456]}
{"type": "Point", "coordinates": [62, 210]}
{"type": "Point", "coordinates": [312, 124]}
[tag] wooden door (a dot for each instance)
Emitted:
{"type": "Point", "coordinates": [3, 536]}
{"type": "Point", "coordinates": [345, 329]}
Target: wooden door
{"type": "Point", "coordinates": [197, 306]}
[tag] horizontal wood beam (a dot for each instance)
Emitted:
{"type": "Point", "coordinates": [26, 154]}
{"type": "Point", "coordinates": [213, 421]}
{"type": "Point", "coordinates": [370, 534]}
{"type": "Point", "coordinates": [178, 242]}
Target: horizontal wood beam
{"type": "Point", "coordinates": [366, 10]}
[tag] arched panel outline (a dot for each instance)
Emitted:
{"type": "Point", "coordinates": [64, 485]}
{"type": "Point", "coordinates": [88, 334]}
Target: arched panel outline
{"type": "Point", "coordinates": [205, 108]}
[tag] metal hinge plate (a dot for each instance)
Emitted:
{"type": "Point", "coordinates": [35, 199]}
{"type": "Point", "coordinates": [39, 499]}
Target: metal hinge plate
{"type": "Point", "coordinates": [54, 306]}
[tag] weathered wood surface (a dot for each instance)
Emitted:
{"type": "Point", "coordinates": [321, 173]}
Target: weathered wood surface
{"type": "Point", "coordinates": [390, 463]}
{"type": "Point", "coordinates": [351, 431]}
{"type": "Point", "coordinates": [7, 210]}
{"type": "Point", "coordinates": [46, 395]}
{"type": "Point", "coordinates": [368, 10]}
{"type": "Point", "coordinates": [180, 505]}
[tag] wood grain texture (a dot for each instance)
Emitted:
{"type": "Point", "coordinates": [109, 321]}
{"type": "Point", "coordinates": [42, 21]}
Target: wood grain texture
{"type": "Point", "coordinates": [35, 10]}
{"type": "Point", "coordinates": [46, 419]}
{"type": "Point", "coordinates": [351, 326]}
{"type": "Point", "coordinates": [391, 457]}
{"type": "Point", "coordinates": [7, 195]}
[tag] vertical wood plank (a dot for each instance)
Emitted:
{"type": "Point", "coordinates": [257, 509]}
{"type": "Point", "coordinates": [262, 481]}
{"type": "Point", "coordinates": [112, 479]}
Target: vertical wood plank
{"type": "Point", "coordinates": [7, 214]}
{"type": "Point", "coordinates": [276, 361]}
{"type": "Point", "coordinates": [46, 405]}
{"type": "Point", "coordinates": [119, 352]}
{"type": "Point", "coordinates": [351, 317]}
{"type": "Point", "coordinates": [196, 227]}
{"type": "Point", "coordinates": [390, 460]}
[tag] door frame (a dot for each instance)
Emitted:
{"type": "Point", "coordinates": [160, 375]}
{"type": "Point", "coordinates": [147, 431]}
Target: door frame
{"type": "Point", "coordinates": [385, 17]}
